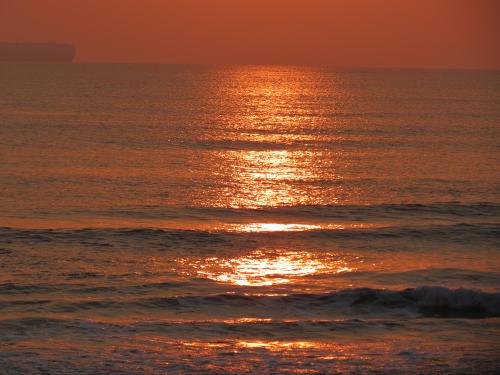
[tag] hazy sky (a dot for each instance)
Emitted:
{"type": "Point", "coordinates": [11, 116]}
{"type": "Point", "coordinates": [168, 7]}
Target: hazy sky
{"type": "Point", "coordinates": [392, 33]}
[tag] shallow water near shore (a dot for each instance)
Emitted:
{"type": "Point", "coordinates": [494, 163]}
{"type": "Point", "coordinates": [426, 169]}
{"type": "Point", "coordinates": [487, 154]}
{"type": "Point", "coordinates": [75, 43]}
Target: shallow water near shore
{"type": "Point", "coordinates": [189, 219]}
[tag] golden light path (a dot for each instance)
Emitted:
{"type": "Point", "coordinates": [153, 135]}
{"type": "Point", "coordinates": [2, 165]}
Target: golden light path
{"type": "Point", "coordinates": [269, 345]}
{"type": "Point", "coordinates": [270, 178]}
{"type": "Point", "coordinates": [273, 122]}
{"type": "Point", "coordinates": [275, 227]}
{"type": "Point", "coordinates": [261, 268]}
{"type": "Point", "coordinates": [286, 227]}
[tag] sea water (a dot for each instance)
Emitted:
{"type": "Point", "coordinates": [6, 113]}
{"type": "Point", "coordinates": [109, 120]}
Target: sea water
{"type": "Point", "coordinates": [248, 219]}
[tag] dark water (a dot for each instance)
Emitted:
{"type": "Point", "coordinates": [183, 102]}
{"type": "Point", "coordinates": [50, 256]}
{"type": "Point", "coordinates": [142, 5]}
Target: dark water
{"type": "Point", "coordinates": [173, 219]}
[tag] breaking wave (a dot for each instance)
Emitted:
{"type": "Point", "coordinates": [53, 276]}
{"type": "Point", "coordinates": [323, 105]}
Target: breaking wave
{"type": "Point", "coordinates": [428, 301]}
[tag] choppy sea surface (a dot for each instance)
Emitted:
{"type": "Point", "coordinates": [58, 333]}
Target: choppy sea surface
{"type": "Point", "coordinates": [187, 219]}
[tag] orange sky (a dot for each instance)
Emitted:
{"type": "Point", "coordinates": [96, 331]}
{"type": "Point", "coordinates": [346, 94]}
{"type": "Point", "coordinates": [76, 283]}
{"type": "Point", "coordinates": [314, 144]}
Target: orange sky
{"type": "Point", "coordinates": [378, 33]}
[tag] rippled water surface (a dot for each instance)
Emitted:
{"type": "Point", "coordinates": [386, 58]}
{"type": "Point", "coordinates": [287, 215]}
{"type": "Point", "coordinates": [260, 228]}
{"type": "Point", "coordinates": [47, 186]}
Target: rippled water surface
{"type": "Point", "coordinates": [182, 219]}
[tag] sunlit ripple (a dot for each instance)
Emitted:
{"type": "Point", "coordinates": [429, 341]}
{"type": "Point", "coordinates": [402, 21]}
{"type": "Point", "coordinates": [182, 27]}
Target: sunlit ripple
{"type": "Point", "coordinates": [276, 227]}
{"type": "Point", "coordinates": [285, 227]}
{"type": "Point", "coordinates": [264, 269]}
{"type": "Point", "coordinates": [268, 345]}
{"type": "Point", "coordinates": [278, 345]}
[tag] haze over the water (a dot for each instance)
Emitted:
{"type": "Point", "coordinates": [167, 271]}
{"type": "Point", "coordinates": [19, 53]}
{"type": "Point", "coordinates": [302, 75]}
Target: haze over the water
{"type": "Point", "coordinates": [376, 33]}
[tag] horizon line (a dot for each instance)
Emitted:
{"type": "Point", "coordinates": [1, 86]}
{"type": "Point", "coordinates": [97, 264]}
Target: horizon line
{"type": "Point", "coordinates": [291, 64]}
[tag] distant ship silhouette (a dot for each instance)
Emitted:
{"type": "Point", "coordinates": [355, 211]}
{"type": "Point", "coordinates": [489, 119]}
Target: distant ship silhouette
{"type": "Point", "coordinates": [37, 52]}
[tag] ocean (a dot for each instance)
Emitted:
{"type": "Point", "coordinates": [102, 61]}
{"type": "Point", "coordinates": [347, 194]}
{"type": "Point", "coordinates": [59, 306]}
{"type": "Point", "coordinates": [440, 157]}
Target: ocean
{"type": "Point", "coordinates": [248, 219]}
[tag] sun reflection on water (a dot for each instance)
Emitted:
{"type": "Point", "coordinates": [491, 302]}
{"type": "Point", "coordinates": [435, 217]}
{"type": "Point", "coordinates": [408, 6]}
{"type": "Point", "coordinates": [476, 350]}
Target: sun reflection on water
{"type": "Point", "coordinates": [269, 178]}
{"type": "Point", "coordinates": [278, 345]}
{"type": "Point", "coordinates": [272, 227]}
{"type": "Point", "coordinates": [272, 135]}
{"type": "Point", "coordinates": [256, 344]}
{"type": "Point", "coordinates": [263, 269]}
{"type": "Point", "coordinates": [285, 227]}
